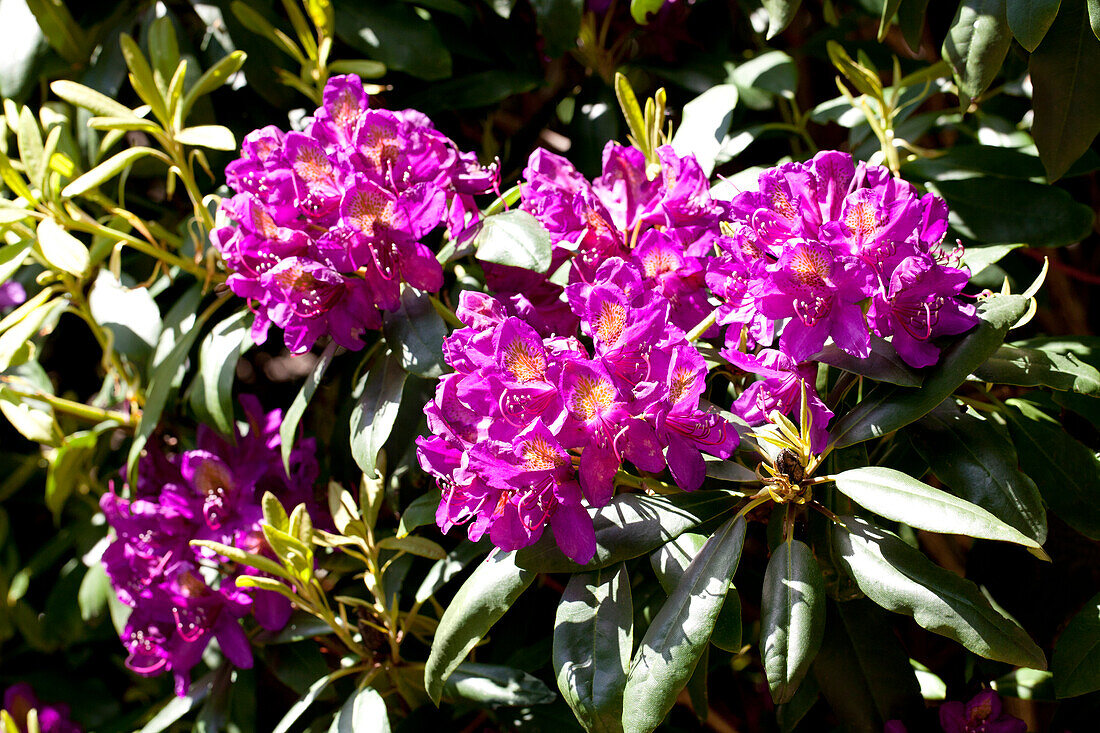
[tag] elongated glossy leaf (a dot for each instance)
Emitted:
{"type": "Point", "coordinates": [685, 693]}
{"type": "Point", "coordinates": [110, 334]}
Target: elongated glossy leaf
{"type": "Point", "coordinates": [365, 710]}
{"type": "Point", "coordinates": [780, 15]}
{"type": "Point", "coordinates": [12, 257]}
{"type": "Point", "coordinates": [883, 363]}
{"type": "Point", "coordinates": [105, 171]}
{"type": "Point", "coordinates": [631, 525]}
{"type": "Point", "coordinates": [420, 546]}
{"type": "Point", "coordinates": [1035, 367]}
{"type": "Point", "coordinates": [559, 22]}
{"type": "Point", "coordinates": [415, 332]}
{"type": "Point", "coordinates": [1029, 20]}
{"type": "Point", "coordinates": [315, 691]}
{"type": "Point", "coordinates": [215, 137]}
{"type": "Point", "coordinates": [212, 391]}
{"type": "Point", "coordinates": [970, 456]}
{"type": "Point", "coordinates": [374, 413]}
{"type": "Point", "coordinates": [288, 431]}
{"type": "Point", "coordinates": [514, 238]}
{"type": "Point", "coordinates": [977, 43]}
{"type": "Point", "coordinates": [141, 77]}
{"type": "Point", "coordinates": [792, 617]}
{"type": "Point", "coordinates": [419, 513]}
{"type": "Point", "coordinates": [889, 9]}
{"type": "Point", "coordinates": [593, 639]}
{"type": "Point", "coordinates": [862, 670]}
{"type": "Point", "coordinates": [888, 408]}
{"type": "Point", "coordinates": [902, 498]}
{"type": "Point", "coordinates": [1076, 660]}
{"type": "Point", "coordinates": [213, 78]}
{"type": "Point", "coordinates": [1065, 70]}
{"type": "Point", "coordinates": [177, 707]}
{"type": "Point", "coordinates": [495, 684]}
{"type": "Point", "coordinates": [90, 99]}
{"type": "Point", "coordinates": [679, 633]}
{"type": "Point", "coordinates": [705, 124]}
{"type": "Point", "coordinates": [480, 602]}
{"type": "Point", "coordinates": [447, 568]}
{"type": "Point", "coordinates": [62, 250]}
{"type": "Point", "coordinates": [1094, 17]}
{"type": "Point", "coordinates": [393, 33]}
{"type": "Point", "coordinates": [670, 561]}
{"type": "Point", "coordinates": [901, 579]}
{"type": "Point", "coordinates": [1066, 472]}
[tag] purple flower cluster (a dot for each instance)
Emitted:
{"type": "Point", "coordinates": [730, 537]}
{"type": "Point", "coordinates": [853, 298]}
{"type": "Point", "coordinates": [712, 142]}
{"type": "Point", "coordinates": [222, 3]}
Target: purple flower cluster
{"type": "Point", "coordinates": [329, 222]}
{"type": "Point", "coordinates": [839, 252]}
{"type": "Point", "coordinates": [11, 294]}
{"type": "Point", "coordinates": [509, 423]}
{"type": "Point", "coordinates": [20, 700]}
{"type": "Point", "coordinates": [180, 597]}
{"type": "Point", "coordinates": [666, 225]}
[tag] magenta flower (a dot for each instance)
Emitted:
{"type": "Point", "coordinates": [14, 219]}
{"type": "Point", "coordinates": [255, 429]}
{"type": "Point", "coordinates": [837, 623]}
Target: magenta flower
{"type": "Point", "coordinates": [19, 700]}
{"type": "Point", "coordinates": [11, 294]}
{"type": "Point", "coordinates": [983, 714]}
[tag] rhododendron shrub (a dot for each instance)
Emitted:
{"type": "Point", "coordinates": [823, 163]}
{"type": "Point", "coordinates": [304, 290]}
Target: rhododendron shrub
{"type": "Point", "coordinates": [557, 365]}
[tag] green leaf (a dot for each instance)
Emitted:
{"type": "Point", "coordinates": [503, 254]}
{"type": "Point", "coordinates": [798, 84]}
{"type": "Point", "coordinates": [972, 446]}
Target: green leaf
{"type": "Point", "coordinates": [300, 706]}
{"type": "Point", "coordinates": [1029, 20]}
{"type": "Point", "coordinates": [632, 111]}
{"type": "Point", "coordinates": [514, 238]}
{"type": "Point", "coordinates": [213, 78]}
{"type": "Point", "coordinates": [593, 638]}
{"type": "Point", "coordinates": [215, 137]}
{"type": "Point", "coordinates": [364, 68]}
{"type": "Point", "coordinates": [882, 365]}
{"type": "Point", "coordinates": [419, 513]}
{"type": "Point", "coordinates": [164, 50]}
{"type": "Point", "coordinates": [33, 420]}
{"type": "Point", "coordinates": [900, 579]}
{"type": "Point", "coordinates": [1028, 684]}
{"type": "Point", "coordinates": [446, 569]}
{"type": "Point", "coordinates": [670, 560]}
{"type": "Point", "coordinates": [973, 458]}
{"type": "Point", "coordinates": [1065, 71]}
{"type": "Point", "coordinates": [862, 669]}
{"type": "Point", "coordinates": [1035, 367]}
{"type": "Point", "coordinates": [393, 33]}
{"type": "Point", "coordinates": [288, 431]}
{"type": "Point", "coordinates": [680, 631]}
{"type": "Point", "coordinates": [780, 15]}
{"type": "Point", "coordinates": [995, 210]}
{"type": "Point", "coordinates": [902, 498]}
{"type": "Point", "coordinates": [887, 408]}
{"type": "Point", "coordinates": [62, 250]}
{"type": "Point", "coordinates": [31, 149]}
{"type": "Point", "coordinates": [141, 77]}
{"type": "Point", "coordinates": [763, 77]}
{"type": "Point", "coordinates": [28, 320]}
{"type": "Point", "coordinates": [481, 89]}
{"type": "Point", "coordinates": [12, 257]}
{"type": "Point", "coordinates": [639, 9]}
{"type": "Point", "coordinates": [130, 314]}
{"type": "Point", "coordinates": [889, 10]}
{"type": "Point", "coordinates": [25, 45]}
{"type": "Point", "coordinates": [559, 22]}
{"type": "Point", "coordinates": [105, 171]}
{"type": "Point", "coordinates": [792, 617]}
{"type": "Point", "coordinates": [494, 684]}
{"type": "Point", "coordinates": [212, 390]}
{"type": "Point", "coordinates": [244, 558]}
{"type": "Point", "coordinates": [420, 546]}
{"type": "Point", "coordinates": [177, 707]}
{"type": "Point", "coordinates": [274, 512]}
{"type": "Point", "coordinates": [1076, 660]}
{"type": "Point", "coordinates": [1066, 472]}
{"type": "Point", "coordinates": [72, 458]}
{"type": "Point", "coordinates": [88, 98]}
{"type": "Point", "coordinates": [977, 43]}
{"type": "Point", "coordinates": [490, 591]}
{"type": "Point", "coordinates": [375, 410]}
{"type": "Point", "coordinates": [415, 333]}
{"type": "Point", "coordinates": [632, 525]}
{"type": "Point", "coordinates": [1094, 16]}
{"type": "Point", "coordinates": [706, 121]}
{"type": "Point", "coordinates": [365, 710]}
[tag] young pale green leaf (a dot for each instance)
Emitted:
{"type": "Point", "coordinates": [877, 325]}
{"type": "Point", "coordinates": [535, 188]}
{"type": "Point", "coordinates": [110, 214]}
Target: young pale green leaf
{"type": "Point", "coordinates": [118, 125]}
{"type": "Point", "coordinates": [288, 431]}
{"type": "Point", "coordinates": [792, 617]}
{"type": "Point", "coordinates": [640, 9]}
{"type": "Point", "coordinates": [415, 333]}
{"type": "Point", "coordinates": [780, 15]}
{"type": "Point", "coordinates": [480, 602]}
{"type": "Point", "coordinates": [141, 77]}
{"type": "Point", "coordinates": [632, 525]}
{"type": "Point", "coordinates": [364, 68]}
{"type": "Point", "coordinates": [632, 111]}
{"type": "Point", "coordinates": [105, 171]}
{"type": "Point", "coordinates": [883, 363]}
{"type": "Point", "coordinates": [9, 214]}
{"type": "Point", "coordinates": [12, 257]}
{"type": "Point", "coordinates": [130, 314]}
{"type": "Point", "coordinates": [215, 137]}
{"type": "Point", "coordinates": [670, 561]}
{"type": "Point", "coordinates": [680, 631]}
{"type": "Point", "coordinates": [375, 410]}
{"type": "Point", "coordinates": [31, 147]}
{"type": "Point", "coordinates": [889, 10]}
{"type": "Point", "coordinates": [72, 457]}
{"type": "Point", "coordinates": [979, 464]}
{"type": "Point", "coordinates": [705, 123]}
{"type": "Point", "coordinates": [977, 43]}
{"type": "Point", "coordinates": [863, 79]}
{"type": "Point", "coordinates": [241, 557]}
{"type": "Point", "coordinates": [1029, 20]}
{"type": "Point", "coordinates": [22, 325]}
{"type": "Point", "coordinates": [1065, 70]}
{"type": "Point", "coordinates": [212, 390]}
{"type": "Point", "coordinates": [493, 684]}
{"type": "Point", "coordinates": [212, 79]}
{"type": "Point", "coordinates": [260, 582]}
{"type": "Point", "coordinates": [1035, 367]}
{"type": "Point", "coordinates": [62, 250]}
{"type": "Point", "coordinates": [419, 513]}
{"type": "Point", "coordinates": [900, 579]}
{"type": "Point", "coordinates": [902, 498]}
{"type": "Point", "coordinates": [593, 638]}
{"type": "Point", "coordinates": [1066, 471]}
{"type": "Point", "coordinates": [365, 710]}
{"type": "Point", "coordinates": [274, 512]}
{"type": "Point", "coordinates": [33, 420]}
{"type": "Point", "coordinates": [1076, 660]}
{"type": "Point", "coordinates": [420, 546]}
{"type": "Point", "coordinates": [887, 408]}
{"type": "Point", "coordinates": [90, 99]}
{"type": "Point", "coordinates": [514, 238]}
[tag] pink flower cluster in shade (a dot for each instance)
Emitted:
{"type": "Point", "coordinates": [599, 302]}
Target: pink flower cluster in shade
{"type": "Point", "coordinates": [531, 429]}
{"type": "Point", "coordinates": [328, 223]}
{"type": "Point", "coordinates": [210, 493]}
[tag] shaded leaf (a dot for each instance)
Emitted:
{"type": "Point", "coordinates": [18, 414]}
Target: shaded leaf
{"type": "Point", "coordinates": [1035, 367]}
{"type": "Point", "coordinates": [670, 560]}
{"type": "Point", "coordinates": [883, 363]}
{"type": "Point", "coordinates": [421, 546]}
{"type": "Point", "coordinates": [977, 43]}
{"type": "Point", "coordinates": [559, 22]}
{"type": "Point", "coordinates": [365, 710]}
{"type": "Point", "coordinates": [212, 390]}
{"type": "Point", "coordinates": [288, 431]}
{"type": "Point", "coordinates": [780, 15]}
{"type": "Point", "coordinates": [415, 332]}
{"type": "Point", "coordinates": [393, 33]}
{"type": "Point", "coordinates": [494, 684]}
{"type": "Point", "coordinates": [792, 617]}
{"type": "Point", "coordinates": [1076, 660]}
{"type": "Point", "coordinates": [1029, 20]}
{"type": "Point", "coordinates": [375, 410]}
